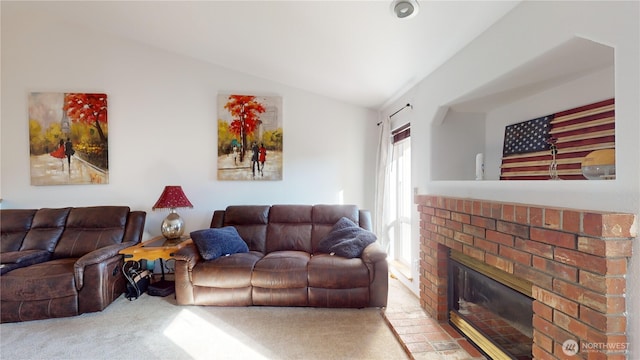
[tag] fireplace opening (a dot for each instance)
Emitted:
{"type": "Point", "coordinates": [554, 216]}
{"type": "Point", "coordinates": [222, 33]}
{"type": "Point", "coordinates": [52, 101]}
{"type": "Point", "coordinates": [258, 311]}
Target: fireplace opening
{"type": "Point", "coordinates": [492, 308]}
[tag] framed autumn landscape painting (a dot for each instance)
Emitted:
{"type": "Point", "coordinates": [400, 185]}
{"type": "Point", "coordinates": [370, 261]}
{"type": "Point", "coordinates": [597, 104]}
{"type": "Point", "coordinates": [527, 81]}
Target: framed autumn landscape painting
{"type": "Point", "coordinates": [68, 138]}
{"type": "Point", "coordinates": [249, 137]}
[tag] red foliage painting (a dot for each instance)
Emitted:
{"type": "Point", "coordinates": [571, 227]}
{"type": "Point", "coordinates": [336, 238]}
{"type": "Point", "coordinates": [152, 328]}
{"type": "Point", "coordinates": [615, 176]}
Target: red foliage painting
{"type": "Point", "coordinates": [68, 138]}
{"type": "Point", "coordinates": [249, 137]}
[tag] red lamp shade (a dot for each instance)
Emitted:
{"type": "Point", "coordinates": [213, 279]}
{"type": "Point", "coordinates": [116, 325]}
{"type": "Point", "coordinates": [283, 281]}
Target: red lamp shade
{"type": "Point", "coordinates": [172, 197]}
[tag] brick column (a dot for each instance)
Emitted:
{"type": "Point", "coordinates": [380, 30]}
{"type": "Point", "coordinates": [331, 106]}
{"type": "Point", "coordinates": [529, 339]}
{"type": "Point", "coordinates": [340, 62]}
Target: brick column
{"type": "Point", "coordinates": [576, 259]}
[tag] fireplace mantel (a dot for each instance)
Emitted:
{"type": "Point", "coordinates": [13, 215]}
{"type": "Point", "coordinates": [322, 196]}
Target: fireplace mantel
{"type": "Point", "coordinates": [576, 259]}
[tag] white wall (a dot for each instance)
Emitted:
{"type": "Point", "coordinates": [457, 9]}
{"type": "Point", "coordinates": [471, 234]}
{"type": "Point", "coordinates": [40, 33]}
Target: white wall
{"type": "Point", "coordinates": [163, 126]}
{"type": "Point", "coordinates": [532, 29]}
{"type": "Point", "coordinates": [458, 139]}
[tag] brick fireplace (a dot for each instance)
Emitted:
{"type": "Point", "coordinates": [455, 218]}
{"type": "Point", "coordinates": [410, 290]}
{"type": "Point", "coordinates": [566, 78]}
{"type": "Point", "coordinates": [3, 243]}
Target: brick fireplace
{"type": "Point", "coordinates": [576, 259]}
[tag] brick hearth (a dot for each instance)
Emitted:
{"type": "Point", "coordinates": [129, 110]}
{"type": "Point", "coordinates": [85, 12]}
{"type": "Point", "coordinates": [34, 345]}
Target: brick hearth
{"type": "Point", "coordinates": [576, 260]}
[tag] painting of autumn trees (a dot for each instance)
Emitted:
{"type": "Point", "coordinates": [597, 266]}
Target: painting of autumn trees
{"type": "Point", "coordinates": [68, 138]}
{"type": "Point", "coordinates": [249, 137]}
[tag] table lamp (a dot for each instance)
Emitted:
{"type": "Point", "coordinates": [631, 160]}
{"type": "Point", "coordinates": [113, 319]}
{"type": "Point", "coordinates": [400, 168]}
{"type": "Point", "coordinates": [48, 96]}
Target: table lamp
{"type": "Point", "coordinates": [172, 198]}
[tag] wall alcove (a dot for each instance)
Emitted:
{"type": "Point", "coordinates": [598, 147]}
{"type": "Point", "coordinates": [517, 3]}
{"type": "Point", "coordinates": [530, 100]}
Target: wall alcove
{"type": "Point", "coordinates": [575, 73]}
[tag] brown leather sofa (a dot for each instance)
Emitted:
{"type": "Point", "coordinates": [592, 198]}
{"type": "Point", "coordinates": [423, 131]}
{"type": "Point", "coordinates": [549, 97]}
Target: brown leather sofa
{"type": "Point", "coordinates": [63, 262]}
{"type": "Point", "coordinates": [283, 266]}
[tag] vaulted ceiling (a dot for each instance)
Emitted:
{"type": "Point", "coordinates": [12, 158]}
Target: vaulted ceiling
{"type": "Point", "coordinates": [354, 51]}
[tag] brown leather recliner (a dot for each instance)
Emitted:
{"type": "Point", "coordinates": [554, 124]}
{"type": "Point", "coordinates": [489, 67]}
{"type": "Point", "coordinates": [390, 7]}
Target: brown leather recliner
{"type": "Point", "coordinates": [63, 262]}
{"type": "Point", "coordinates": [284, 266]}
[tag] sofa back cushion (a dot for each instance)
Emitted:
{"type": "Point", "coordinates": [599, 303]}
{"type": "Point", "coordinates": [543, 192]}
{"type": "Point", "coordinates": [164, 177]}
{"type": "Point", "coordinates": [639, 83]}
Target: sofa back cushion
{"type": "Point", "coordinates": [251, 222]}
{"type": "Point", "coordinates": [326, 216]}
{"type": "Point", "coordinates": [14, 226]}
{"type": "Point", "coordinates": [290, 228]}
{"type": "Point", "coordinates": [284, 227]}
{"type": "Point", "coordinates": [91, 228]}
{"type": "Point", "coordinates": [46, 229]}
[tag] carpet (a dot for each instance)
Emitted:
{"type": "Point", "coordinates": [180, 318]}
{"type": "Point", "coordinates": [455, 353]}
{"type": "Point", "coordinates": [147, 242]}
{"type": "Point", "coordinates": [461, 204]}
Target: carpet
{"type": "Point", "coordinates": [157, 328]}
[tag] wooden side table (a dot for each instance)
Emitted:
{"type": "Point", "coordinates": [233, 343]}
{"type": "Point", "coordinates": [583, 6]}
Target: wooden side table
{"type": "Point", "coordinates": [157, 248]}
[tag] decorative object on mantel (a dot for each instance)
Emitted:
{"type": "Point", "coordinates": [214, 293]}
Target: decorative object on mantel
{"type": "Point", "coordinates": [249, 137]}
{"type": "Point", "coordinates": [577, 131]}
{"type": "Point", "coordinates": [553, 167]}
{"type": "Point", "coordinates": [600, 165]}
{"type": "Point", "coordinates": [480, 166]}
{"type": "Point", "coordinates": [68, 138]}
{"type": "Point", "coordinates": [172, 197]}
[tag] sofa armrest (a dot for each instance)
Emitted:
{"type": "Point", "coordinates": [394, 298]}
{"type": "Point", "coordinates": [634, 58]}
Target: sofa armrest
{"type": "Point", "coordinates": [95, 257]}
{"type": "Point", "coordinates": [373, 253]}
{"type": "Point", "coordinates": [189, 255]}
{"type": "Point", "coordinates": [376, 261]}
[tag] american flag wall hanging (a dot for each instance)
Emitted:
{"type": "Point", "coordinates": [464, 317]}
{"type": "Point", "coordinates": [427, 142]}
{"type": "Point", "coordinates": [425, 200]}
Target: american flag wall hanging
{"type": "Point", "coordinates": [576, 132]}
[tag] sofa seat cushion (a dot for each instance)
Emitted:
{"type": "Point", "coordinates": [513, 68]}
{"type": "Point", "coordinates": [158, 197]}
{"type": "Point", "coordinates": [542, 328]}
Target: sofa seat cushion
{"type": "Point", "coordinates": [335, 272]}
{"type": "Point", "coordinates": [48, 280]}
{"type": "Point", "coordinates": [281, 269]}
{"type": "Point", "coordinates": [232, 271]}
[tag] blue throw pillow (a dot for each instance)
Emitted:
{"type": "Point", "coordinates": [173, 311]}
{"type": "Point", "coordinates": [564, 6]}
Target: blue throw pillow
{"type": "Point", "coordinates": [216, 242]}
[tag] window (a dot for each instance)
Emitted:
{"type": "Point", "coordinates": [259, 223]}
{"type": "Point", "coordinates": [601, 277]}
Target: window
{"type": "Point", "coordinates": [401, 200]}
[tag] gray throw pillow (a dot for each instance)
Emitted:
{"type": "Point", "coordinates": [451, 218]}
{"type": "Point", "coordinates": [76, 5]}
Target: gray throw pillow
{"type": "Point", "coordinates": [336, 234]}
{"type": "Point", "coordinates": [346, 239]}
{"type": "Point", "coordinates": [216, 242]}
{"type": "Point", "coordinates": [352, 248]}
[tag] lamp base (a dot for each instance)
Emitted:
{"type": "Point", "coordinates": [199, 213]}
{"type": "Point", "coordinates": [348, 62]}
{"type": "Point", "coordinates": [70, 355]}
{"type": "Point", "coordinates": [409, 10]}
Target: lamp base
{"type": "Point", "coordinates": [172, 226]}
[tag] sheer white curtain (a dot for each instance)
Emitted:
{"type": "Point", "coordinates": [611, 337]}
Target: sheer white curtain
{"type": "Point", "coordinates": [382, 210]}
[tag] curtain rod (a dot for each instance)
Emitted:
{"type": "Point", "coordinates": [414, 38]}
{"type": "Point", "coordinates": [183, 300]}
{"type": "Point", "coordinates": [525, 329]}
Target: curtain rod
{"type": "Point", "coordinates": [402, 108]}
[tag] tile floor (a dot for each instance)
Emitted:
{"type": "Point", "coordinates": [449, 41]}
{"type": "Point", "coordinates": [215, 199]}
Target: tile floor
{"type": "Point", "coordinates": [421, 336]}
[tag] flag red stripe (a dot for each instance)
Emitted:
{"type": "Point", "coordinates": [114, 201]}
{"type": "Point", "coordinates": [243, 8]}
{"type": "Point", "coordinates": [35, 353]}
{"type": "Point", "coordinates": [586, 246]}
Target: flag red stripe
{"type": "Point", "coordinates": [587, 107]}
{"type": "Point", "coordinates": [592, 141]}
{"type": "Point", "coordinates": [584, 130]}
{"type": "Point", "coordinates": [580, 155]}
{"type": "Point", "coordinates": [593, 115]}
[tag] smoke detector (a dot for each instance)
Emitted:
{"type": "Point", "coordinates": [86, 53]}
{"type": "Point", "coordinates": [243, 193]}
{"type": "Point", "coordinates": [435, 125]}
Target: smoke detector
{"type": "Point", "coordinates": [404, 9]}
